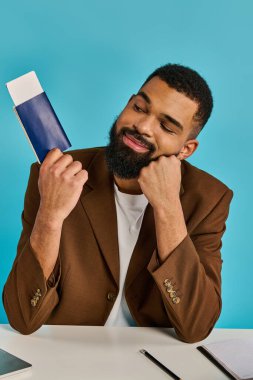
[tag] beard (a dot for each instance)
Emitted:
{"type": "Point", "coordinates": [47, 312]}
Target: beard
{"type": "Point", "coordinates": [123, 161]}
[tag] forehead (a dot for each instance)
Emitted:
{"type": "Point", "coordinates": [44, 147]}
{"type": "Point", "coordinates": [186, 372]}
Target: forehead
{"type": "Point", "coordinates": [167, 100]}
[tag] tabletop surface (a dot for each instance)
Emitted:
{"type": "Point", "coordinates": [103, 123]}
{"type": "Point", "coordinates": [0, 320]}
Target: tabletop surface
{"type": "Point", "coordinates": [92, 353]}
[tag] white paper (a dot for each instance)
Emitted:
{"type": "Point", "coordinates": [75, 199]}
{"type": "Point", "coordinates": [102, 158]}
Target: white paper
{"type": "Point", "coordinates": [236, 355]}
{"type": "Point", "coordinates": [24, 88]}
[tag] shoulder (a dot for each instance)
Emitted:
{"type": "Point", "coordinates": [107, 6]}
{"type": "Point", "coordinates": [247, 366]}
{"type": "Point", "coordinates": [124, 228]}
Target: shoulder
{"type": "Point", "coordinates": [202, 186]}
{"type": "Point", "coordinates": [201, 179]}
{"type": "Point", "coordinates": [85, 156]}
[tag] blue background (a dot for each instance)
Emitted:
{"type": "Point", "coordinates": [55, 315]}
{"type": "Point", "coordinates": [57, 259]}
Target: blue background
{"type": "Point", "coordinates": [91, 56]}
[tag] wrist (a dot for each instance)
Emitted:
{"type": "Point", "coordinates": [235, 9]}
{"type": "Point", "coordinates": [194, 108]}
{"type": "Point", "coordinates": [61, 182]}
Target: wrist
{"type": "Point", "coordinates": [49, 220]}
{"type": "Point", "coordinates": [168, 207]}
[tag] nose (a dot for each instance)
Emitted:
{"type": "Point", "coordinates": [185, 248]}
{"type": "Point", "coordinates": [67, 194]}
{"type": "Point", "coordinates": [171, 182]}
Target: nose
{"type": "Point", "coordinates": [145, 126]}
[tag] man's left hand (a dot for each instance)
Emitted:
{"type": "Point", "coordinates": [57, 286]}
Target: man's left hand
{"type": "Point", "coordinates": [160, 181]}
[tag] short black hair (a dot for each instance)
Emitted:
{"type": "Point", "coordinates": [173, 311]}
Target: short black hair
{"type": "Point", "coordinates": [190, 83]}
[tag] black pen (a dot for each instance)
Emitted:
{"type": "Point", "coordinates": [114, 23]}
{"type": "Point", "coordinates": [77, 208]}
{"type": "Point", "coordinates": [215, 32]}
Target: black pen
{"type": "Point", "coordinates": [160, 365]}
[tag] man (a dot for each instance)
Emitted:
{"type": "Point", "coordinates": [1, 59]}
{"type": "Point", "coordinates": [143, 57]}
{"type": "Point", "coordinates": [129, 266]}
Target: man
{"type": "Point", "coordinates": [129, 234]}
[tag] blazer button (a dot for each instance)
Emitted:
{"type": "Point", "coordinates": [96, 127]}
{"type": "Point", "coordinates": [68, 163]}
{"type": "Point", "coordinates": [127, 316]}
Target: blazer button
{"type": "Point", "coordinates": [111, 296]}
{"type": "Point", "coordinates": [38, 293]}
{"type": "Point", "coordinates": [33, 302]}
{"type": "Point", "coordinates": [176, 300]}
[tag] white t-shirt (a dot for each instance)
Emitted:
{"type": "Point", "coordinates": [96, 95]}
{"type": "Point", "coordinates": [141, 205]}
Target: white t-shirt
{"type": "Point", "coordinates": [130, 211]}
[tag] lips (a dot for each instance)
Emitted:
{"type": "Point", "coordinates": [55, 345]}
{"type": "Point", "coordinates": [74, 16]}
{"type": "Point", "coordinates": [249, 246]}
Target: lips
{"type": "Point", "coordinates": [134, 143]}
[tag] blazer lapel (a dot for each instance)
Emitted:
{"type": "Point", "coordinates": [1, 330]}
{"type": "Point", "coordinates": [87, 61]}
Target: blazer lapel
{"type": "Point", "coordinates": [98, 202]}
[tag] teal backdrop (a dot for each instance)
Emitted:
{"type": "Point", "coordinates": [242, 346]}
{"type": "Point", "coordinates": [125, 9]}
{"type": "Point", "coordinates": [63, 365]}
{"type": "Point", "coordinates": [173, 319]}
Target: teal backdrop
{"type": "Point", "coordinates": [90, 56]}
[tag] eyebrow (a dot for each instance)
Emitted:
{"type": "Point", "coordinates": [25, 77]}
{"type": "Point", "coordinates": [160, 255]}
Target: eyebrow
{"type": "Point", "coordinates": [168, 117]}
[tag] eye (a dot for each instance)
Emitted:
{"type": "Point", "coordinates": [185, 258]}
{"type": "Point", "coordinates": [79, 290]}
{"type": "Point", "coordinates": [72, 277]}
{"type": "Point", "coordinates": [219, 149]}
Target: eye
{"type": "Point", "coordinates": [166, 129]}
{"type": "Point", "coordinates": [137, 108]}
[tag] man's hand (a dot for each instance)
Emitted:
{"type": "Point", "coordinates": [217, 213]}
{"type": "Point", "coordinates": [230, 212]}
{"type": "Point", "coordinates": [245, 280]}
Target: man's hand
{"type": "Point", "coordinates": [160, 181]}
{"type": "Point", "coordinates": [60, 184]}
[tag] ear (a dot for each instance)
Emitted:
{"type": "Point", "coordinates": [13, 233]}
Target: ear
{"type": "Point", "coordinates": [188, 149]}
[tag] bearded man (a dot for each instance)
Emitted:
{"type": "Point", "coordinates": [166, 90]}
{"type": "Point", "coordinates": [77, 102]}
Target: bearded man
{"type": "Point", "coordinates": [128, 234]}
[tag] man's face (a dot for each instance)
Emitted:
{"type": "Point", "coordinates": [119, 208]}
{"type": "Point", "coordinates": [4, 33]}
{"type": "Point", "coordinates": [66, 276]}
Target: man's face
{"type": "Point", "coordinates": [155, 122]}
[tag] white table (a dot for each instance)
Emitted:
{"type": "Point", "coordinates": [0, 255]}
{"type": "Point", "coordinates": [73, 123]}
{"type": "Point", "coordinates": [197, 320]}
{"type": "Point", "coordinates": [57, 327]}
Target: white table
{"type": "Point", "coordinates": [108, 353]}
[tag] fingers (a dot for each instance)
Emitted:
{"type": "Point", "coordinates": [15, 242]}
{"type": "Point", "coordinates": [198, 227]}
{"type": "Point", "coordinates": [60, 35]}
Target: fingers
{"type": "Point", "coordinates": [63, 165]}
{"type": "Point", "coordinates": [57, 162]}
{"type": "Point", "coordinates": [167, 159]}
{"type": "Point", "coordinates": [52, 157]}
{"type": "Point", "coordinates": [179, 156]}
{"type": "Point", "coordinates": [82, 176]}
{"type": "Point", "coordinates": [176, 158]}
{"type": "Point", "coordinates": [74, 168]}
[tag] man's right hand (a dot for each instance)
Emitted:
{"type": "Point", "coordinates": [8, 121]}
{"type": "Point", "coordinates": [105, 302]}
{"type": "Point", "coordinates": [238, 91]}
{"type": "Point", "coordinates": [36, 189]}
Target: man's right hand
{"type": "Point", "coordinates": [61, 181]}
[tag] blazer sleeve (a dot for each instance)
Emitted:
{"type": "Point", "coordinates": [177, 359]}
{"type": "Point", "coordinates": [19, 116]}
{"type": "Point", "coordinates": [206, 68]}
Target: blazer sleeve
{"type": "Point", "coordinates": [189, 280]}
{"type": "Point", "coordinates": [27, 297]}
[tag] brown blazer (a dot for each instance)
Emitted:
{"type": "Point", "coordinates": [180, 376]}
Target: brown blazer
{"type": "Point", "coordinates": [84, 284]}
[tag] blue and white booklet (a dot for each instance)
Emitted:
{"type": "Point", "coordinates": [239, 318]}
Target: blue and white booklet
{"type": "Point", "coordinates": [37, 116]}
